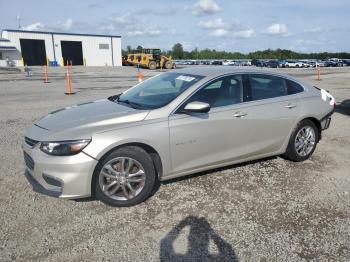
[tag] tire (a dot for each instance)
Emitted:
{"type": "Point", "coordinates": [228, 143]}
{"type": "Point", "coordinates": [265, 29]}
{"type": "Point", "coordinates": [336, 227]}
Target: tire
{"type": "Point", "coordinates": [152, 65]}
{"type": "Point", "coordinates": [140, 163]}
{"type": "Point", "coordinates": [292, 153]}
{"type": "Point", "coordinates": [168, 65]}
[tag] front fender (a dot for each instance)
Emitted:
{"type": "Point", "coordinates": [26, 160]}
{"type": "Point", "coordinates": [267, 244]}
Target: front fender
{"type": "Point", "coordinates": [155, 135]}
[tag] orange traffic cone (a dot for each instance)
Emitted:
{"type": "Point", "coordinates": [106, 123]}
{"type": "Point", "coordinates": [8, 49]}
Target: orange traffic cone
{"type": "Point", "coordinates": [46, 79]}
{"type": "Point", "coordinates": [69, 91]}
{"type": "Point", "coordinates": [140, 77]}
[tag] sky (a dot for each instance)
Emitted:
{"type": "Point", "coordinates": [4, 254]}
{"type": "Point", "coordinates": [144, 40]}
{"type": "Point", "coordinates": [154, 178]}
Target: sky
{"type": "Point", "coordinates": [230, 25]}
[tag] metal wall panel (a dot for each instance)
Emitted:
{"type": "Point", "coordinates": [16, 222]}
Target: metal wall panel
{"type": "Point", "coordinates": [92, 53]}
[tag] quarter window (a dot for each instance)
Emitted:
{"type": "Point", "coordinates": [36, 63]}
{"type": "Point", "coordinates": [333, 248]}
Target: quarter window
{"type": "Point", "coordinates": [222, 92]}
{"type": "Point", "coordinates": [265, 86]}
{"type": "Point", "coordinates": [293, 87]}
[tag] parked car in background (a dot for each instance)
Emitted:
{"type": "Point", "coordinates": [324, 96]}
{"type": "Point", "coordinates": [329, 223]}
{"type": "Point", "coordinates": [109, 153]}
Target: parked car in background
{"type": "Point", "coordinates": [330, 63]}
{"type": "Point", "coordinates": [272, 64]}
{"type": "Point", "coordinates": [300, 64]}
{"type": "Point", "coordinates": [320, 63]}
{"type": "Point", "coordinates": [258, 63]}
{"type": "Point", "coordinates": [312, 63]}
{"type": "Point", "coordinates": [174, 124]}
{"type": "Point", "coordinates": [346, 62]}
{"type": "Point", "coordinates": [290, 63]}
{"type": "Point", "coordinates": [216, 62]}
{"type": "Point", "coordinates": [305, 63]}
{"type": "Point", "coordinates": [246, 62]}
{"type": "Point", "coordinates": [282, 63]}
{"type": "Point", "coordinates": [228, 62]}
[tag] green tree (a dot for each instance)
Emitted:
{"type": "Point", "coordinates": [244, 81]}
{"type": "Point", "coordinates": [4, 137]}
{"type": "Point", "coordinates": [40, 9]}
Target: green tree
{"type": "Point", "coordinates": [178, 51]}
{"type": "Point", "coordinates": [139, 49]}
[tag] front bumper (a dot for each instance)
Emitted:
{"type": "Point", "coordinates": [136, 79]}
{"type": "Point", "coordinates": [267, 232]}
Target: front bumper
{"type": "Point", "coordinates": [59, 176]}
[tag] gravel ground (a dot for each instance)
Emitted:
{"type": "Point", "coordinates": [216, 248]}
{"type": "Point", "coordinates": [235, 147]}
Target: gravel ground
{"type": "Point", "coordinates": [268, 210]}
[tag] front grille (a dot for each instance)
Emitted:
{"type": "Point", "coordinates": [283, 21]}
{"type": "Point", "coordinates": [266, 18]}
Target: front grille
{"type": "Point", "coordinates": [30, 142]}
{"type": "Point", "coordinates": [29, 161]}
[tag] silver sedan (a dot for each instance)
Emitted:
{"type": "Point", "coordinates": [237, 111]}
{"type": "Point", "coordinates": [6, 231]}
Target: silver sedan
{"type": "Point", "coordinates": [174, 124]}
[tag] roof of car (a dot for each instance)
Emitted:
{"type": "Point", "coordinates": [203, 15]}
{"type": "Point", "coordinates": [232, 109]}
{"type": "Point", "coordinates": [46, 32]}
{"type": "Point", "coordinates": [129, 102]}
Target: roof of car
{"type": "Point", "coordinates": [221, 70]}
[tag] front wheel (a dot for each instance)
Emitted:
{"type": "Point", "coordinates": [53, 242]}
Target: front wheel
{"type": "Point", "coordinates": [302, 142]}
{"type": "Point", "coordinates": [152, 65]}
{"type": "Point", "coordinates": [126, 177]}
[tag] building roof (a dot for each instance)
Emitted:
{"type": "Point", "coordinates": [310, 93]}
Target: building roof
{"type": "Point", "coordinates": [58, 33]}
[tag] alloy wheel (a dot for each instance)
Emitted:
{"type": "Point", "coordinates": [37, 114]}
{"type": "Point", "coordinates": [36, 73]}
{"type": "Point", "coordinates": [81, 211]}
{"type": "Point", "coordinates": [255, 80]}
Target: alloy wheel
{"type": "Point", "coordinates": [305, 141]}
{"type": "Point", "coordinates": [122, 178]}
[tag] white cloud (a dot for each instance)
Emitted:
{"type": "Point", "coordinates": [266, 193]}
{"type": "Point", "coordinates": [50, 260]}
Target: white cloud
{"type": "Point", "coordinates": [133, 25]}
{"type": "Point", "coordinates": [67, 25]}
{"type": "Point", "coordinates": [220, 32]}
{"type": "Point", "coordinates": [33, 27]}
{"type": "Point", "coordinates": [124, 19]}
{"type": "Point", "coordinates": [145, 32]}
{"type": "Point", "coordinates": [249, 33]}
{"type": "Point", "coordinates": [217, 23]}
{"type": "Point", "coordinates": [277, 29]}
{"type": "Point", "coordinates": [204, 7]}
{"type": "Point", "coordinates": [220, 28]}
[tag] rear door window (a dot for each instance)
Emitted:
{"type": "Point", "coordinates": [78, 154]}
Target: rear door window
{"type": "Point", "coordinates": [266, 86]}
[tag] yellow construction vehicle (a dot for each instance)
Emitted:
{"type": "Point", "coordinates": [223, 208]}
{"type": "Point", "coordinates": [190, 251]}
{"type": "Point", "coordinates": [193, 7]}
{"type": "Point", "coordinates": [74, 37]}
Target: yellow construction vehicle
{"type": "Point", "coordinates": [150, 58]}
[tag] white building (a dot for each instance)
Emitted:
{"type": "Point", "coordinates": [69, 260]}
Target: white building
{"type": "Point", "coordinates": [19, 47]}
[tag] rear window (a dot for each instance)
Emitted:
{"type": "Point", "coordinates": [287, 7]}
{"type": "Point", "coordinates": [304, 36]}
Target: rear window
{"type": "Point", "coordinates": [266, 86]}
{"type": "Point", "coordinates": [293, 87]}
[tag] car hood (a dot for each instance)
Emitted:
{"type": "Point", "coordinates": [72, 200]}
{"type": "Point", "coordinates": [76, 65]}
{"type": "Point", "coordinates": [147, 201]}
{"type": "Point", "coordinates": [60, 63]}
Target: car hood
{"type": "Point", "coordinates": [83, 120]}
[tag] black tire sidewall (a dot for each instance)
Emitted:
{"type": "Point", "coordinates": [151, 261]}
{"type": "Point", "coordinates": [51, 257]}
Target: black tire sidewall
{"type": "Point", "coordinates": [168, 65]}
{"type": "Point", "coordinates": [144, 159]}
{"type": "Point", "coordinates": [152, 65]}
{"type": "Point", "coordinates": [291, 152]}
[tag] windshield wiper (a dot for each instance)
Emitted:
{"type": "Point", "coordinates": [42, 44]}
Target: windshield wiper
{"type": "Point", "coordinates": [131, 104]}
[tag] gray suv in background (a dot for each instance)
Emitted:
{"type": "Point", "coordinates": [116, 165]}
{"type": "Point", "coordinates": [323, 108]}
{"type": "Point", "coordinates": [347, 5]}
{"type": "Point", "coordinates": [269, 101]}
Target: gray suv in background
{"type": "Point", "coordinates": [174, 124]}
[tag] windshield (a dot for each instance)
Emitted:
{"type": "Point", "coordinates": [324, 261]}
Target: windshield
{"type": "Point", "coordinates": [158, 91]}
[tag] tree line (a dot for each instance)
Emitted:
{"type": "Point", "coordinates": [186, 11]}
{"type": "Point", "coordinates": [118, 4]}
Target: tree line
{"type": "Point", "coordinates": [178, 52]}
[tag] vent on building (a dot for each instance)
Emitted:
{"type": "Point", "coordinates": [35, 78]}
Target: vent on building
{"type": "Point", "coordinates": [104, 46]}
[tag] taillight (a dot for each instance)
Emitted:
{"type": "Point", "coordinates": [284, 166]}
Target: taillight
{"type": "Point", "coordinates": [325, 94]}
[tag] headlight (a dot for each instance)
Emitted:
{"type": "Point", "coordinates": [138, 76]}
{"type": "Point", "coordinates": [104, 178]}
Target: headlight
{"type": "Point", "coordinates": [64, 148]}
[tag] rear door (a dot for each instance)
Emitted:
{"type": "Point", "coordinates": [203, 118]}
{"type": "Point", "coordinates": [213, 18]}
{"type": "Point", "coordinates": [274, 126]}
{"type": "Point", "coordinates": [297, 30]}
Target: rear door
{"type": "Point", "coordinates": [272, 109]}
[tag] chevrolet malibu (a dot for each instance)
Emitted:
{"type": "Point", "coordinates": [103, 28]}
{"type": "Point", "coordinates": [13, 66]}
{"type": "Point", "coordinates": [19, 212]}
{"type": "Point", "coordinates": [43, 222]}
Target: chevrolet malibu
{"type": "Point", "coordinates": [174, 124]}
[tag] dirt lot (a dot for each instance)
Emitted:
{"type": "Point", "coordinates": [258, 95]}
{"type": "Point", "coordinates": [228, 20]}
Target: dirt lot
{"type": "Point", "coordinates": [262, 211]}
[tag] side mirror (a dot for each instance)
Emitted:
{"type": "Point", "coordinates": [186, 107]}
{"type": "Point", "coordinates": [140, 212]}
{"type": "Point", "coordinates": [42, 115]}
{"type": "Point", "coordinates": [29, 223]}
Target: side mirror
{"type": "Point", "coordinates": [196, 107]}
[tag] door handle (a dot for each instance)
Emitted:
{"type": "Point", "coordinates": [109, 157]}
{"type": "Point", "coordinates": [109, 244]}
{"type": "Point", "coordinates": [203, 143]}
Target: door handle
{"type": "Point", "coordinates": [290, 106]}
{"type": "Point", "coordinates": [239, 114]}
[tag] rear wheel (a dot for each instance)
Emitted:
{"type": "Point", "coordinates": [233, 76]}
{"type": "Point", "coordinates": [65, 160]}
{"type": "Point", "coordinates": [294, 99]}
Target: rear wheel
{"type": "Point", "coordinates": [302, 142]}
{"type": "Point", "coordinates": [125, 177]}
{"type": "Point", "coordinates": [152, 65]}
